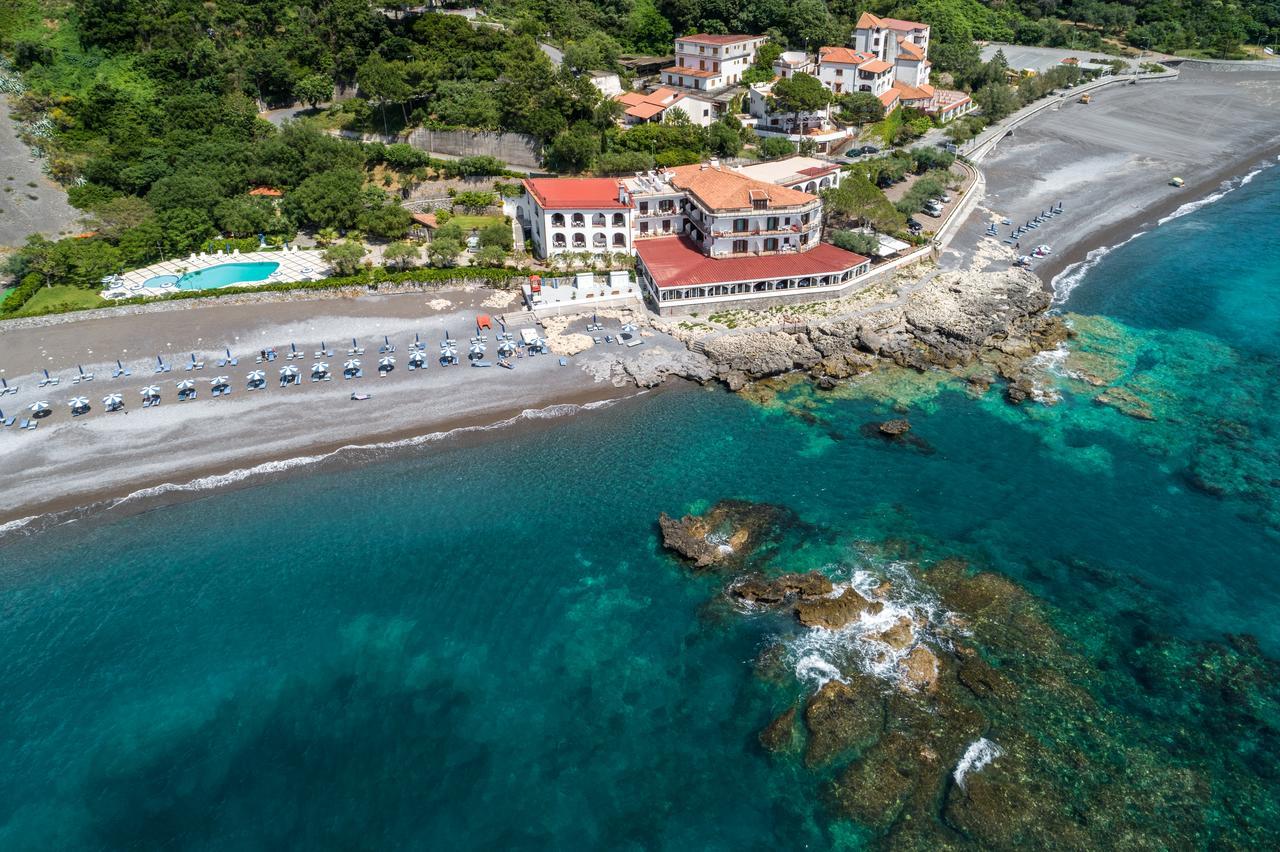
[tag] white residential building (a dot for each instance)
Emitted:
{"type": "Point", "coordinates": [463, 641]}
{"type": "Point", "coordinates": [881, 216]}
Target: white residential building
{"type": "Point", "coordinates": [708, 63]}
{"type": "Point", "coordinates": [816, 126]}
{"type": "Point", "coordinates": [806, 174]}
{"type": "Point", "coordinates": [844, 71]}
{"type": "Point", "coordinates": [903, 44]}
{"type": "Point", "coordinates": [661, 103]}
{"type": "Point", "coordinates": [575, 214]}
{"type": "Point", "coordinates": [793, 62]}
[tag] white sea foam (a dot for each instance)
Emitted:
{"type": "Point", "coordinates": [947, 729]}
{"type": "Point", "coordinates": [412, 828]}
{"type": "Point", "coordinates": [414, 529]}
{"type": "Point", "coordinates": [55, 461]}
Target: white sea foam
{"type": "Point", "coordinates": [1224, 190]}
{"type": "Point", "coordinates": [819, 655]}
{"type": "Point", "coordinates": [977, 756]}
{"type": "Point", "coordinates": [1070, 277]}
{"type": "Point", "coordinates": [15, 525]}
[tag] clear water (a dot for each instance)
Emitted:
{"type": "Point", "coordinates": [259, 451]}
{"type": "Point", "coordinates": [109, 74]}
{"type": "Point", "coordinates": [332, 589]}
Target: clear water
{"type": "Point", "coordinates": [226, 274]}
{"type": "Point", "coordinates": [483, 646]}
{"type": "Point", "coordinates": [160, 281]}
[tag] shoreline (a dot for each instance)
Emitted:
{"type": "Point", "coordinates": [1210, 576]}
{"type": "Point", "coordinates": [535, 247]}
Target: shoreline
{"type": "Point", "coordinates": [121, 500]}
{"type": "Point", "coordinates": [1223, 181]}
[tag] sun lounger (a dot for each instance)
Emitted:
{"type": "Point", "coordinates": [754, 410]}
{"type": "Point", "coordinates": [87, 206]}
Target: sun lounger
{"type": "Point", "coordinates": [564, 362]}
{"type": "Point", "coordinates": [24, 424]}
{"type": "Point", "coordinates": [33, 424]}
{"type": "Point", "coordinates": [222, 362]}
{"type": "Point", "coordinates": [8, 421]}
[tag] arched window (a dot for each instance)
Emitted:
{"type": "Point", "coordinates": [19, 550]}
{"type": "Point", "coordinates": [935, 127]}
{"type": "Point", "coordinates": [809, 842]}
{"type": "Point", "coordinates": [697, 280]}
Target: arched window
{"type": "Point", "coordinates": [619, 241]}
{"type": "Point", "coordinates": [598, 240]}
{"type": "Point", "coordinates": [579, 241]}
{"type": "Point", "coordinates": [810, 187]}
{"type": "Point", "coordinates": [558, 241]}
{"type": "Point", "coordinates": [557, 220]}
{"type": "Point", "coordinates": [578, 220]}
{"type": "Point", "coordinates": [619, 221]}
{"type": "Point", "coordinates": [824, 183]}
{"type": "Point", "coordinates": [598, 220]}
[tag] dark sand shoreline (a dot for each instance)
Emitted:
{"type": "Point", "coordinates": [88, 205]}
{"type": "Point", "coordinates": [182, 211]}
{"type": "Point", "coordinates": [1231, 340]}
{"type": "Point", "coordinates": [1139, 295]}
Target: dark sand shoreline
{"type": "Point", "coordinates": [111, 503]}
{"type": "Point", "coordinates": [1130, 227]}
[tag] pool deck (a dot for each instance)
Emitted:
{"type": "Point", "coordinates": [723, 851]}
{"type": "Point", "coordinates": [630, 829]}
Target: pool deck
{"type": "Point", "coordinates": [295, 265]}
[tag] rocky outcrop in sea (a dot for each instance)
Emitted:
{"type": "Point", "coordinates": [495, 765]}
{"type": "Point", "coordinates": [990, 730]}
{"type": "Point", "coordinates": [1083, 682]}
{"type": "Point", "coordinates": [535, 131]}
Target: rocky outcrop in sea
{"type": "Point", "coordinates": [946, 708]}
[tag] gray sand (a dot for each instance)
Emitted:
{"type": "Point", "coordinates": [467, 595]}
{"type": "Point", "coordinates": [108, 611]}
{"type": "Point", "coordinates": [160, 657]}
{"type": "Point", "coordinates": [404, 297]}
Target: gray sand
{"type": "Point", "coordinates": [49, 213]}
{"type": "Point", "coordinates": [1110, 161]}
{"type": "Point", "coordinates": [68, 461]}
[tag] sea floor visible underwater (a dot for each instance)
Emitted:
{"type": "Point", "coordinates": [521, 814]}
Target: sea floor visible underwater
{"type": "Point", "coordinates": [486, 646]}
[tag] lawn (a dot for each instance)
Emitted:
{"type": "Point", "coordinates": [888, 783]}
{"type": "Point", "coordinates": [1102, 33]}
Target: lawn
{"type": "Point", "coordinates": [468, 222]}
{"type": "Point", "coordinates": [4, 294]}
{"type": "Point", "coordinates": [62, 295]}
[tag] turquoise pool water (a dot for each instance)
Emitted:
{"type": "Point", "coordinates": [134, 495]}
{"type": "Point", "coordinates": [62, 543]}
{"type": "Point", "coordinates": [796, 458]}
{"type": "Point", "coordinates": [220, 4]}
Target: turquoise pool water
{"type": "Point", "coordinates": [160, 281]}
{"type": "Point", "coordinates": [225, 274]}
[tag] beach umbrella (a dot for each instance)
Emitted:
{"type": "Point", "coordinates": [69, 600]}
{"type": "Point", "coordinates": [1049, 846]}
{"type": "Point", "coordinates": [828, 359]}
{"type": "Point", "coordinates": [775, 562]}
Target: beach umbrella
{"type": "Point", "coordinates": [385, 340]}
{"type": "Point", "coordinates": [257, 376]}
{"type": "Point", "coordinates": [39, 408]}
{"type": "Point", "coordinates": [351, 366]}
{"type": "Point", "coordinates": [81, 369]}
{"type": "Point", "coordinates": [386, 361]}
{"type": "Point", "coordinates": [228, 351]}
{"type": "Point", "coordinates": [186, 384]}
{"type": "Point", "coordinates": [112, 401]}
{"type": "Point", "coordinates": [46, 374]}
{"type": "Point", "coordinates": [150, 392]}
{"type": "Point", "coordinates": [220, 381]}
{"type": "Point", "coordinates": [289, 371]}
{"type": "Point", "coordinates": [79, 403]}
{"type": "Point", "coordinates": [319, 369]}
{"type": "Point", "coordinates": [292, 348]}
{"type": "Point", "coordinates": [3, 383]}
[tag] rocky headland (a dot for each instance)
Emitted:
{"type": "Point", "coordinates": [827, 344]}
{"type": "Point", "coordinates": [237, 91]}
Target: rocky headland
{"type": "Point", "coordinates": [944, 708]}
{"type": "Point", "coordinates": [948, 320]}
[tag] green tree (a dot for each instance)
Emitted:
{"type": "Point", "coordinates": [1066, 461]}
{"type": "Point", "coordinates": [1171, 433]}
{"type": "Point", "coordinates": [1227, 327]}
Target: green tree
{"type": "Point", "coordinates": [329, 199]}
{"type": "Point", "coordinates": [858, 242]}
{"type": "Point", "coordinates": [497, 234]}
{"type": "Point", "coordinates": [344, 257]}
{"type": "Point", "coordinates": [384, 82]}
{"type": "Point", "coordinates": [444, 251]}
{"type": "Point", "coordinates": [491, 256]}
{"type": "Point", "coordinates": [647, 30]}
{"type": "Point", "coordinates": [474, 201]}
{"type": "Point", "coordinates": [402, 254]}
{"type": "Point", "coordinates": [314, 89]}
{"type": "Point", "coordinates": [799, 93]}
{"type": "Point", "coordinates": [385, 221]}
{"type": "Point", "coordinates": [724, 138]}
{"type": "Point", "coordinates": [184, 229]}
{"type": "Point", "coordinates": [996, 100]}
{"type": "Point", "coordinates": [861, 108]}
{"type": "Point", "coordinates": [774, 147]}
{"type": "Point", "coordinates": [574, 150]}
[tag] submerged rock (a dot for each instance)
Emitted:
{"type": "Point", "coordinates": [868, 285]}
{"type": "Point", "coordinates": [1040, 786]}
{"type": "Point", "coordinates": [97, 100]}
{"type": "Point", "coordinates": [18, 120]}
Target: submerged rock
{"type": "Point", "coordinates": [841, 717]}
{"type": "Point", "coordinates": [874, 789]}
{"type": "Point", "coordinates": [920, 669]}
{"type": "Point", "coordinates": [899, 636]}
{"type": "Point", "coordinates": [780, 735]}
{"type": "Point", "coordinates": [833, 613]}
{"type": "Point", "coordinates": [894, 428]}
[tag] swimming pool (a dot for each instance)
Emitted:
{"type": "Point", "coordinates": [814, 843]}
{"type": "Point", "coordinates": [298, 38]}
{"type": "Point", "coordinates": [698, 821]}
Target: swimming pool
{"type": "Point", "coordinates": [160, 281]}
{"type": "Point", "coordinates": [225, 274]}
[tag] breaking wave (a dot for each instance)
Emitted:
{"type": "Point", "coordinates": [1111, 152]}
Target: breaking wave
{"type": "Point", "coordinates": [976, 757]}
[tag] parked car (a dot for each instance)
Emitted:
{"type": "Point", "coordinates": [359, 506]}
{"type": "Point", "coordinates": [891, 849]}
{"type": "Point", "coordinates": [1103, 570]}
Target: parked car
{"type": "Point", "coordinates": [868, 149]}
{"type": "Point", "coordinates": [945, 199]}
{"type": "Point", "coordinates": [933, 210]}
{"type": "Point", "coordinates": [913, 225]}
{"type": "Point", "coordinates": [950, 147]}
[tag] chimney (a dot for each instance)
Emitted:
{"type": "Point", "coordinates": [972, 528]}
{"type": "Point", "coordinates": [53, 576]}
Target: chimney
{"type": "Point", "coordinates": [622, 193]}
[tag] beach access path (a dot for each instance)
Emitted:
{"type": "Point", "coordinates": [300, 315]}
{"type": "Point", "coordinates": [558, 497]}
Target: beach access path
{"type": "Point", "coordinates": [69, 462]}
{"type": "Point", "coordinates": [1109, 162]}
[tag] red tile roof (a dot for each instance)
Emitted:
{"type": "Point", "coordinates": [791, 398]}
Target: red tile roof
{"type": "Point", "coordinates": [842, 55]}
{"type": "Point", "coordinates": [868, 20]}
{"type": "Point", "coordinates": [818, 171]}
{"type": "Point", "coordinates": [266, 192]}
{"type": "Point", "coordinates": [911, 49]}
{"type": "Point", "coordinates": [704, 38]}
{"type": "Point", "coordinates": [875, 66]}
{"type": "Point", "coordinates": [575, 193]}
{"type": "Point", "coordinates": [677, 262]}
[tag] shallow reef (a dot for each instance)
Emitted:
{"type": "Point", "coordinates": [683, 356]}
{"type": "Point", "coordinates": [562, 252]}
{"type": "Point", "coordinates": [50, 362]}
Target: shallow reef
{"type": "Point", "coordinates": [945, 706]}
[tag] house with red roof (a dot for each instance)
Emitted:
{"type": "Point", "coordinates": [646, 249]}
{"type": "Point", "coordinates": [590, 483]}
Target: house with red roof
{"type": "Point", "coordinates": [575, 214]}
{"type": "Point", "coordinates": [640, 108]}
{"type": "Point", "coordinates": [708, 63]}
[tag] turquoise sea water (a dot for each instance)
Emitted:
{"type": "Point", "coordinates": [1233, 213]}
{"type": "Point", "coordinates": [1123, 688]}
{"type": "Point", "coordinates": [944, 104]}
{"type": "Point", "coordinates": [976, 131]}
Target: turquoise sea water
{"type": "Point", "coordinates": [225, 274]}
{"type": "Point", "coordinates": [482, 645]}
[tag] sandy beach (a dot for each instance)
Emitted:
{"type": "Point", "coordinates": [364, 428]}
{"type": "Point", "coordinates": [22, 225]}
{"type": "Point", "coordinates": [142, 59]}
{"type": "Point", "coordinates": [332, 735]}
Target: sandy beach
{"type": "Point", "coordinates": [69, 462]}
{"type": "Point", "coordinates": [1109, 162]}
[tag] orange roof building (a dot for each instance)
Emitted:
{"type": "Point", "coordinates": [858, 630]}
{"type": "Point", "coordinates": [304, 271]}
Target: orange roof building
{"type": "Point", "coordinates": [266, 192]}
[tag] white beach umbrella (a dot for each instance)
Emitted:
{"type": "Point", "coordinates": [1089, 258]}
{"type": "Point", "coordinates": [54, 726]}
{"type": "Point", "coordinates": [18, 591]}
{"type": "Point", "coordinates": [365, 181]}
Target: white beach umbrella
{"type": "Point", "coordinates": [150, 391]}
{"type": "Point", "coordinates": [386, 361]}
{"type": "Point", "coordinates": [351, 365]}
{"type": "Point", "coordinates": [186, 384]}
{"type": "Point", "coordinates": [319, 369]}
{"type": "Point", "coordinates": [78, 403]}
{"type": "Point", "coordinates": [220, 381]}
{"type": "Point", "coordinates": [38, 407]}
{"type": "Point", "coordinates": [289, 371]}
{"type": "Point", "coordinates": [257, 376]}
{"type": "Point", "coordinates": [113, 401]}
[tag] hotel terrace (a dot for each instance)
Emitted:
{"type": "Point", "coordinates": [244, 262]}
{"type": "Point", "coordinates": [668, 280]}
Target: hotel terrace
{"type": "Point", "coordinates": [703, 234]}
